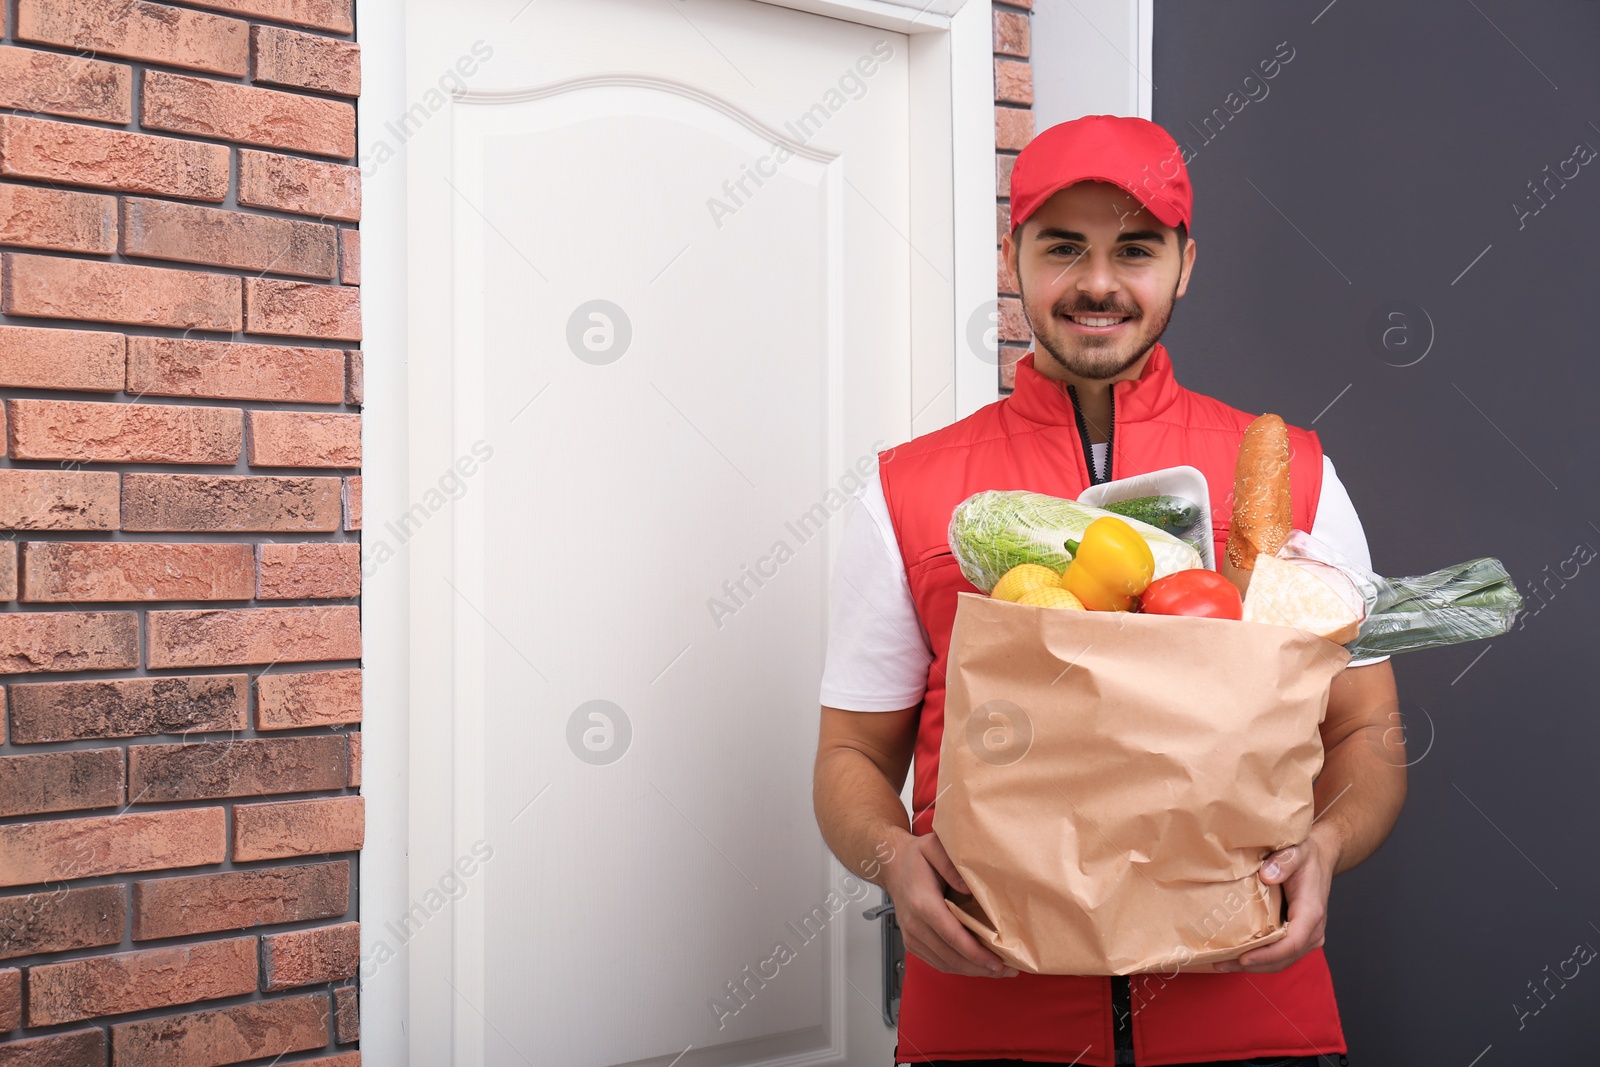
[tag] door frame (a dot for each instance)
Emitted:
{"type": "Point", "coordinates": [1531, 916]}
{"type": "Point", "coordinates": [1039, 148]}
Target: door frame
{"type": "Point", "coordinates": [952, 208]}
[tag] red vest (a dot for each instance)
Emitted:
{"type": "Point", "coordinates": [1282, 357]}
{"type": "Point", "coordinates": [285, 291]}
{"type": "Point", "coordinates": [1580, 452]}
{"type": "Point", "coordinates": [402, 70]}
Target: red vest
{"type": "Point", "coordinates": [1031, 440]}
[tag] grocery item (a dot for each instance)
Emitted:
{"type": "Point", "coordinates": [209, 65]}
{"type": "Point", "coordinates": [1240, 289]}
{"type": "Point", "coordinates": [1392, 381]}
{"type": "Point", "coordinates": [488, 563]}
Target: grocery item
{"type": "Point", "coordinates": [993, 531]}
{"type": "Point", "coordinates": [1288, 594]}
{"type": "Point", "coordinates": [1263, 511]}
{"type": "Point", "coordinates": [1110, 567]}
{"type": "Point", "coordinates": [1046, 596]}
{"type": "Point", "coordinates": [1174, 514]}
{"type": "Point", "coordinates": [1186, 489]}
{"type": "Point", "coordinates": [1023, 578]}
{"type": "Point", "coordinates": [1467, 602]}
{"type": "Point", "coordinates": [1198, 593]}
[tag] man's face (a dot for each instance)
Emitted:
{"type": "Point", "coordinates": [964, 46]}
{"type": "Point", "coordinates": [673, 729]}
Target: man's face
{"type": "Point", "coordinates": [1089, 254]}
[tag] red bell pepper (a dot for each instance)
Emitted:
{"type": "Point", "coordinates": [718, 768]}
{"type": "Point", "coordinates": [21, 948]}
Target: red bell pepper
{"type": "Point", "coordinates": [1197, 592]}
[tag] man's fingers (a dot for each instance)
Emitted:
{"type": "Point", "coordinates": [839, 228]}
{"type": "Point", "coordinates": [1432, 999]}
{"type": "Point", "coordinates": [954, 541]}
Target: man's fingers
{"type": "Point", "coordinates": [941, 956]}
{"type": "Point", "coordinates": [940, 859]}
{"type": "Point", "coordinates": [1274, 957]}
{"type": "Point", "coordinates": [1279, 865]}
{"type": "Point", "coordinates": [946, 938]}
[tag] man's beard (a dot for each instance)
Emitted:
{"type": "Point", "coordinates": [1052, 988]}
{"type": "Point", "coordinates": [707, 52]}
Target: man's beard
{"type": "Point", "coordinates": [1094, 358]}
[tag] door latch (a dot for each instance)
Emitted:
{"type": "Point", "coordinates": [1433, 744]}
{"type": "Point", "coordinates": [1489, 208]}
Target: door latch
{"type": "Point", "coordinates": [894, 958]}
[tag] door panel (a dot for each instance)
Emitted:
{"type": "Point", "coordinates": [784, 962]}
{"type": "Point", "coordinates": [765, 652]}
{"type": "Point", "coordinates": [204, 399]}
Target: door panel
{"type": "Point", "coordinates": [663, 380]}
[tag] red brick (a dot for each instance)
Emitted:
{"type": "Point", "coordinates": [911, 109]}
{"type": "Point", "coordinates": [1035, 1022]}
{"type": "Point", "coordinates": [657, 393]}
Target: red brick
{"type": "Point", "coordinates": [313, 571]}
{"type": "Point", "coordinates": [1012, 34]}
{"type": "Point", "coordinates": [1002, 221]}
{"type": "Point", "coordinates": [55, 84]}
{"type": "Point", "coordinates": [127, 707]}
{"type": "Point", "coordinates": [55, 218]}
{"type": "Point", "coordinates": [1013, 323]}
{"type": "Point", "coordinates": [354, 377]}
{"type": "Point", "coordinates": [318, 14]}
{"type": "Point", "coordinates": [350, 256]}
{"type": "Point", "coordinates": [298, 828]}
{"type": "Point", "coordinates": [61, 781]}
{"type": "Point", "coordinates": [196, 502]}
{"type": "Point", "coordinates": [352, 503]}
{"type": "Point", "coordinates": [124, 433]}
{"type": "Point", "coordinates": [139, 980]}
{"type": "Point", "coordinates": [172, 366]}
{"type": "Point", "coordinates": [1013, 127]}
{"type": "Point", "coordinates": [248, 115]}
{"type": "Point", "coordinates": [69, 640]}
{"type": "Point", "coordinates": [236, 900]}
{"type": "Point", "coordinates": [161, 229]}
{"type": "Point", "coordinates": [72, 154]}
{"type": "Point", "coordinates": [341, 1059]}
{"type": "Point", "coordinates": [58, 500]}
{"type": "Point", "coordinates": [75, 1048]}
{"type": "Point", "coordinates": [216, 637]}
{"type": "Point", "coordinates": [59, 288]}
{"type": "Point", "coordinates": [1006, 282]}
{"type": "Point", "coordinates": [255, 1030]}
{"type": "Point", "coordinates": [136, 570]}
{"type": "Point", "coordinates": [8, 585]}
{"type": "Point", "coordinates": [110, 844]}
{"type": "Point", "coordinates": [346, 1014]}
{"type": "Point", "coordinates": [1013, 82]}
{"type": "Point", "coordinates": [308, 957]}
{"type": "Point", "coordinates": [251, 766]}
{"type": "Point", "coordinates": [305, 61]}
{"type": "Point", "coordinates": [304, 439]}
{"type": "Point", "coordinates": [300, 186]}
{"type": "Point", "coordinates": [38, 358]}
{"type": "Point", "coordinates": [302, 309]}
{"type": "Point", "coordinates": [10, 999]}
{"type": "Point", "coordinates": [355, 759]}
{"type": "Point", "coordinates": [61, 920]}
{"type": "Point", "coordinates": [1004, 163]}
{"type": "Point", "coordinates": [154, 32]}
{"type": "Point", "coordinates": [308, 698]}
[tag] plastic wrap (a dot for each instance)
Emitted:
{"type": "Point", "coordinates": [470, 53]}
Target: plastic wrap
{"type": "Point", "coordinates": [1466, 602]}
{"type": "Point", "coordinates": [993, 531]}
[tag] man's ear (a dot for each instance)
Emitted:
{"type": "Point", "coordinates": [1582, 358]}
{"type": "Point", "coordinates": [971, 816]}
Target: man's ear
{"type": "Point", "coordinates": [1185, 269]}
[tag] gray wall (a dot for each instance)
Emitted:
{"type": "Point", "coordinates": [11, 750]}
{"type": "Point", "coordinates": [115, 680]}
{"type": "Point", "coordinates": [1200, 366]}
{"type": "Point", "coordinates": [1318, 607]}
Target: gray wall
{"type": "Point", "coordinates": [1383, 159]}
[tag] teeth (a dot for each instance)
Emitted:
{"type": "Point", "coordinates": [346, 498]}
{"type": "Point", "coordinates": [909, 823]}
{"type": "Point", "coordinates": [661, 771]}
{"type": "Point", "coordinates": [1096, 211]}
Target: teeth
{"type": "Point", "coordinates": [1084, 320]}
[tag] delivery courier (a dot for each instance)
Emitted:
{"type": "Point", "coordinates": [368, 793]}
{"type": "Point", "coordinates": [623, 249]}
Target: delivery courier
{"type": "Point", "coordinates": [1171, 720]}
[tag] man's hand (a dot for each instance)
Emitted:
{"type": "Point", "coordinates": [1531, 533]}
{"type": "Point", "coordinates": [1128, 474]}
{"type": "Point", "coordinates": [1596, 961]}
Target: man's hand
{"type": "Point", "coordinates": [913, 879]}
{"type": "Point", "coordinates": [1306, 873]}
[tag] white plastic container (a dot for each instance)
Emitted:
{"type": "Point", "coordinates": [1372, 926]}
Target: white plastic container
{"type": "Point", "coordinates": [1185, 481]}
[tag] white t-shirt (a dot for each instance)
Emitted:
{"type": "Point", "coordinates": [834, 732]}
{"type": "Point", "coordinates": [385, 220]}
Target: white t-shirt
{"type": "Point", "coordinates": [878, 653]}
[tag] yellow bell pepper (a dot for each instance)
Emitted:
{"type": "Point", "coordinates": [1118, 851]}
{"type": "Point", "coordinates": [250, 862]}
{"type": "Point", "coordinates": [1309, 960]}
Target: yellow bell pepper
{"type": "Point", "coordinates": [1110, 566]}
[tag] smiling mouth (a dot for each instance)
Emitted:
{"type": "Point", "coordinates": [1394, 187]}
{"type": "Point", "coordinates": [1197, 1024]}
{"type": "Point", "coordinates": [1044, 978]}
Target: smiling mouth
{"type": "Point", "coordinates": [1098, 323]}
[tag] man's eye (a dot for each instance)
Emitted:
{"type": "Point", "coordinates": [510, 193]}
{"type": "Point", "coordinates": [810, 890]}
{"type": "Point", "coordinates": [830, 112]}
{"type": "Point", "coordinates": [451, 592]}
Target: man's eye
{"type": "Point", "coordinates": [1065, 250]}
{"type": "Point", "coordinates": [1141, 251]}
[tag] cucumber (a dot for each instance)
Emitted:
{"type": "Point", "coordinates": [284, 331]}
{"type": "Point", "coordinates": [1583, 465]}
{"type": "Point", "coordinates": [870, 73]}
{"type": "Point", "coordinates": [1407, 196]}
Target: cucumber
{"type": "Point", "coordinates": [1174, 514]}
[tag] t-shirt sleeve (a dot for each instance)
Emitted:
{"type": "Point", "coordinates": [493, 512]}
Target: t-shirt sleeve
{"type": "Point", "coordinates": [1337, 526]}
{"type": "Point", "coordinates": [878, 655]}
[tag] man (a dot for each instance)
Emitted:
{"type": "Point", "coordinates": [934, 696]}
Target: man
{"type": "Point", "coordinates": [1100, 249]}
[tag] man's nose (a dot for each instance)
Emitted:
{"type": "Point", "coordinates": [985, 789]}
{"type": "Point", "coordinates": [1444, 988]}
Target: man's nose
{"type": "Point", "coordinates": [1097, 275]}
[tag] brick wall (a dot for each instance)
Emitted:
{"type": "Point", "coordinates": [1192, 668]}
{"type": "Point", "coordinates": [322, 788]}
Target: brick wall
{"type": "Point", "coordinates": [1013, 128]}
{"type": "Point", "coordinates": [180, 495]}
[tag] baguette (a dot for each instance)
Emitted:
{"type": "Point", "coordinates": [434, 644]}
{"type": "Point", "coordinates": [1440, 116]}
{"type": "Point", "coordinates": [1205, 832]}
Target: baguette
{"type": "Point", "coordinates": [1263, 509]}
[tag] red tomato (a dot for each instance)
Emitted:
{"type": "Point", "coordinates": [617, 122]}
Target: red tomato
{"type": "Point", "coordinates": [1197, 592]}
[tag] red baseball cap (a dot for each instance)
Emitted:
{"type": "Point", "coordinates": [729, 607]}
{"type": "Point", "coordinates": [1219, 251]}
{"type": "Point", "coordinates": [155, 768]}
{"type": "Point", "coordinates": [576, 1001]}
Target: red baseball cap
{"type": "Point", "coordinates": [1129, 152]}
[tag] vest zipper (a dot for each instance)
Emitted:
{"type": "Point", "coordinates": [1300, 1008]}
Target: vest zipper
{"type": "Point", "coordinates": [1122, 1017]}
{"type": "Point", "coordinates": [1088, 447]}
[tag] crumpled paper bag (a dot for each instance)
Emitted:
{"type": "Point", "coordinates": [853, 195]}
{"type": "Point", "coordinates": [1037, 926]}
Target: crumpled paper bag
{"type": "Point", "coordinates": [1109, 783]}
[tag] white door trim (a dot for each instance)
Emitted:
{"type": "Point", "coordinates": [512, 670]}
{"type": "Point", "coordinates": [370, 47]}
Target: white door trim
{"type": "Point", "coordinates": [953, 194]}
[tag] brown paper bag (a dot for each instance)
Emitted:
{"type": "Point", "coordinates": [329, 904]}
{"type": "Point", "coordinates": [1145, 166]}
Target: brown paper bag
{"type": "Point", "coordinates": [1109, 783]}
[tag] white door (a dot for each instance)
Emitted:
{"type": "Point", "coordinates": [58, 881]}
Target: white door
{"type": "Point", "coordinates": [666, 269]}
